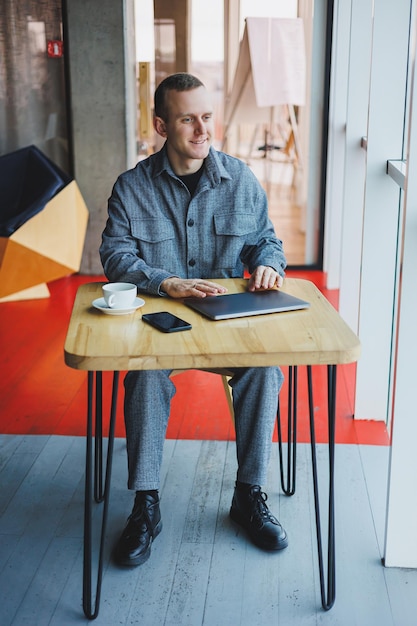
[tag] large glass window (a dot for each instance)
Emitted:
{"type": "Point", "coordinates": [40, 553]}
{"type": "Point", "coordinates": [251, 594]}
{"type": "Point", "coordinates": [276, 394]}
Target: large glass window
{"type": "Point", "coordinates": [283, 147]}
{"type": "Point", "coordinates": [269, 148]}
{"type": "Point", "coordinates": [207, 53]}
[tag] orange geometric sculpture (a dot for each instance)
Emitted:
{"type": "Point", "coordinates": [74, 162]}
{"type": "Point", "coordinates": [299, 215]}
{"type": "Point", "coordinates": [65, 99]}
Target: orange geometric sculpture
{"type": "Point", "coordinates": [47, 246]}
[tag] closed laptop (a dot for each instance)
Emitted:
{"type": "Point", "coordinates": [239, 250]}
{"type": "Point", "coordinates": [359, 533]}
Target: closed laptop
{"type": "Point", "coordinates": [244, 304]}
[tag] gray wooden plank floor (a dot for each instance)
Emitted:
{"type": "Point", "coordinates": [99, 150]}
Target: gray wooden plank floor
{"type": "Point", "coordinates": [202, 570]}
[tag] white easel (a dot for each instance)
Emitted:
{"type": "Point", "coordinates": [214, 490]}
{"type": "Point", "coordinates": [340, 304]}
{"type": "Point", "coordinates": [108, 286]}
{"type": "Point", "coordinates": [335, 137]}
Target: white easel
{"type": "Point", "coordinates": [270, 73]}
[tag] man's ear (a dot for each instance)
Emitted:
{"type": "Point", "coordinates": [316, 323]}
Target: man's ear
{"type": "Point", "coordinates": [160, 126]}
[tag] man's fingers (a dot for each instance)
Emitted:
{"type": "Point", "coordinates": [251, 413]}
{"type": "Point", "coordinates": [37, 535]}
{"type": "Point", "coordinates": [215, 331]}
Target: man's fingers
{"type": "Point", "coordinates": [207, 288]}
{"type": "Point", "coordinates": [186, 287]}
{"type": "Point", "coordinates": [264, 278]}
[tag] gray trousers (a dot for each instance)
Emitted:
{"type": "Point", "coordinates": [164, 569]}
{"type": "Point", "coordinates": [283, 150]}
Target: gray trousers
{"type": "Point", "coordinates": [148, 396]}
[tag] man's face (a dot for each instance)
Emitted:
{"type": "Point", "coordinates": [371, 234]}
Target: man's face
{"type": "Point", "coordinates": [188, 129]}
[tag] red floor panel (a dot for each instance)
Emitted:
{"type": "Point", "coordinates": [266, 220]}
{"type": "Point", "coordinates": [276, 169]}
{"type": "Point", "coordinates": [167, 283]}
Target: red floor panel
{"type": "Point", "coordinates": [40, 395]}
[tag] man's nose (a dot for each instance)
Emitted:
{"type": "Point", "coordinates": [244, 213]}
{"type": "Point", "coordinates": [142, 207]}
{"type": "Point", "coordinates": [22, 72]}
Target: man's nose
{"type": "Point", "coordinates": [200, 127]}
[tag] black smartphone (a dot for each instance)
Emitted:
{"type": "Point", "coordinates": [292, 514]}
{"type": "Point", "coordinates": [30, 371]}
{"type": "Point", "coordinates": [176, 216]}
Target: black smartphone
{"type": "Point", "coordinates": [166, 322]}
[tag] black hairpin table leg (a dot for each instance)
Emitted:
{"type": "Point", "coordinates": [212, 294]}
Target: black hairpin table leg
{"type": "Point", "coordinates": [98, 441]}
{"type": "Point", "coordinates": [288, 485]}
{"type": "Point", "coordinates": [327, 596]}
{"type": "Point", "coordinates": [93, 484]}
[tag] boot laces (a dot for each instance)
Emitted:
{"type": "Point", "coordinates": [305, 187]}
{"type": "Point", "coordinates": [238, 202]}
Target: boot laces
{"type": "Point", "coordinates": [261, 509]}
{"type": "Point", "coordinates": [140, 514]}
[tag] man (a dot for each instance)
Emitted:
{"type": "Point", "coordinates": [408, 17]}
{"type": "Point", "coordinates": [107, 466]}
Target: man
{"type": "Point", "coordinates": [181, 218]}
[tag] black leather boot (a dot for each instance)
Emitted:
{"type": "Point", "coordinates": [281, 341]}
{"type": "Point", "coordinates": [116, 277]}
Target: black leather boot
{"type": "Point", "coordinates": [250, 511]}
{"type": "Point", "coordinates": [143, 525]}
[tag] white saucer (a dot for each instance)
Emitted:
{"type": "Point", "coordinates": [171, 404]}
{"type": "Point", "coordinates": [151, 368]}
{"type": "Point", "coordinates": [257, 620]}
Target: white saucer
{"type": "Point", "coordinates": [101, 305]}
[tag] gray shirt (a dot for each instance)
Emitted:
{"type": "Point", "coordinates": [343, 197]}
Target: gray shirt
{"type": "Point", "coordinates": [155, 229]}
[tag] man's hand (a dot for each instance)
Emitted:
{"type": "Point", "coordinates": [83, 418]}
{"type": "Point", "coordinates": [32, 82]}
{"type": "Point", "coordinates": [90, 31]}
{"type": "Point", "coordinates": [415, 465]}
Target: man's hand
{"type": "Point", "coordinates": [264, 277]}
{"type": "Point", "coordinates": [186, 287]}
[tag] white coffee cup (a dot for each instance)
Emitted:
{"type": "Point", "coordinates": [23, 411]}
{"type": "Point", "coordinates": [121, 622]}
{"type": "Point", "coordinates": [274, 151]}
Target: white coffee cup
{"type": "Point", "coordinates": [119, 295]}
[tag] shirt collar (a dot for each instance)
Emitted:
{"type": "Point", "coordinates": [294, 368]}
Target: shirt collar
{"type": "Point", "coordinates": [214, 169]}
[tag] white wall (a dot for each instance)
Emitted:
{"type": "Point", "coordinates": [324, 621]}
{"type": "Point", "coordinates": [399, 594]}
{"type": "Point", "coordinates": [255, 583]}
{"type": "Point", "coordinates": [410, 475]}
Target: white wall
{"type": "Point", "coordinates": [348, 116]}
{"type": "Point", "coordinates": [371, 233]}
{"type": "Point", "coordinates": [401, 540]}
{"type": "Point", "coordinates": [363, 203]}
{"type": "Point", "coordinates": [382, 206]}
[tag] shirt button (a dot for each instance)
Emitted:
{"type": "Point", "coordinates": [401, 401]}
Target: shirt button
{"type": "Point", "coordinates": [190, 222]}
{"type": "Point", "coordinates": [191, 262]}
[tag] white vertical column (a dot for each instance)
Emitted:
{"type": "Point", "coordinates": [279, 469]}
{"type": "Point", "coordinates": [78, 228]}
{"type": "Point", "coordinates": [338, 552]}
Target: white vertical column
{"type": "Point", "coordinates": [338, 105]}
{"type": "Point", "coordinates": [352, 186]}
{"type": "Point", "coordinates": [401, 524]}
{"type": "Point", "coordinates": [313, 158]}
{"type": "Point", "coordinates": [381, 208]}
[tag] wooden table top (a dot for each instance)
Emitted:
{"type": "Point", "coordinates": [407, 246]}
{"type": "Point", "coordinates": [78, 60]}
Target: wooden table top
{"type": "Point", "coordinates": [99, 342]}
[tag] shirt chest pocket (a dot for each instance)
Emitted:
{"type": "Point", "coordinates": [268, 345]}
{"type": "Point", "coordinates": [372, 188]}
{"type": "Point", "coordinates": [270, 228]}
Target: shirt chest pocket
{"type": "Point", "coordinates": [233, 231]}
{"type": "Point", "coordinates": [155, 240]}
